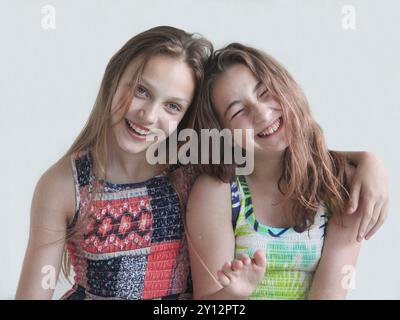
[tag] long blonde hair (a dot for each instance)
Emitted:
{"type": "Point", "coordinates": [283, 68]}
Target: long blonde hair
{"type": "Point", "coordinates": [162, 40]}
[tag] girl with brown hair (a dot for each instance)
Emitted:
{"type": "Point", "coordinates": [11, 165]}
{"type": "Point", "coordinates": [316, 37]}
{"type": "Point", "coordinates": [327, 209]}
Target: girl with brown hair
{"type": "Point", "coordinates": [289, 213]}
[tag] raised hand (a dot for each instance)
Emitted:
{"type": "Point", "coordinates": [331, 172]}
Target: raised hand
{"type": "Point", "coordinates": [241, 276]}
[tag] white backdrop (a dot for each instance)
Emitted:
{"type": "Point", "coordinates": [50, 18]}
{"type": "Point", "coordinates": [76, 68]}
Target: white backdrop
{"type": "Point", "coordinates": [49, 78]}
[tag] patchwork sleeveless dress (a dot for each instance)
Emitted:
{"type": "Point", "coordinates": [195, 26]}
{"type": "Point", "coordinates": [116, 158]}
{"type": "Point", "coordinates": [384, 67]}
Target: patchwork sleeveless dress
{"type": "Point", "coordinates": [129, 240]}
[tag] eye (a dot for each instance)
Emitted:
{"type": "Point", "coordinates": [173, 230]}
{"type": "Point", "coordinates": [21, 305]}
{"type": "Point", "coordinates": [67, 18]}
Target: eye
{"type": "Point", "coordinates": [236, 113]}
{"type": "Point", "coordinates": [173, 106]}
{"type": "Point", "coordinates": [141, 92]}
{"type": "Point", "coordinates": [263, 93]}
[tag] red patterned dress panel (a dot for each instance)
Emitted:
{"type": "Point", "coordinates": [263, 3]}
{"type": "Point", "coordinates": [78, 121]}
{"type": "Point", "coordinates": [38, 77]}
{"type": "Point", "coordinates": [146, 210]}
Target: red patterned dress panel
{"type": "Point", "coordinates": [129, 240]}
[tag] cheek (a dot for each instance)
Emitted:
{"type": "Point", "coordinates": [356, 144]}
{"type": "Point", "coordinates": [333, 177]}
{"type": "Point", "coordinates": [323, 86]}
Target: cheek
{"type": "Point", "coordinates": [168, 123]}
{"type": "Point", "coordinates": [245, 141]}
{"type": "Point", "coordinates": [120, 95]}
{"type": "Point", "coordinates": [283, 136]}
{"type": "Point", "coordinates": [239, 140]}
{"type": "Point", "coordinates": [241, 122]}
{"type": "Point", "coordinates": [116, 116]}
{"type": "Point", "coordinates": [240, 137]}
{"type": "Point", "coordinates": [118, 130]}
{"type": "Point", "coordinates": [115, 108]}
{"type": "Point", "coordinates": [128, 109]}
{"type": "Point", "coordinates": [119, 106]}
{"type": "Point", "coordinates": [136, 104]}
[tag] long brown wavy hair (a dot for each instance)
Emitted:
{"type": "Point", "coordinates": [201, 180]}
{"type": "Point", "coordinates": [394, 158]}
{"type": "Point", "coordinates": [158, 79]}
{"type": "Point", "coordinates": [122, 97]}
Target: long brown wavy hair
{"type": "Point", "coordinates": [193, 49]}
{"type": "Point", "coordinates": [312, 174]}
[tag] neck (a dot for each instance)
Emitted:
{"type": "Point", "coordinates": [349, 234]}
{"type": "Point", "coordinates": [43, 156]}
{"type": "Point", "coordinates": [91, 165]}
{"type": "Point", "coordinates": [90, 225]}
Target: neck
{"type": "Point", "coordinates": [123, 167]}
{"type": "Point", "coordinates": [268, 168]}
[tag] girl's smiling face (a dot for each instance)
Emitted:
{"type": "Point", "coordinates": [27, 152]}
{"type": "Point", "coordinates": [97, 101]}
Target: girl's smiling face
{"type": "Point", "coordinates": [162, 96]}
{"type": "Point", "coordinates": [243, 102]}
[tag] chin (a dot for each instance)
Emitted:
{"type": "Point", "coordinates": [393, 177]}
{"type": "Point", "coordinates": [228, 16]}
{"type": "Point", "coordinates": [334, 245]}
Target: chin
{"type": "Point", "coordinates": [128, 146]}
{"type": "Point", "coordinates": [132, 150]}
{"type": "Point", "coordinates": [271, 150]}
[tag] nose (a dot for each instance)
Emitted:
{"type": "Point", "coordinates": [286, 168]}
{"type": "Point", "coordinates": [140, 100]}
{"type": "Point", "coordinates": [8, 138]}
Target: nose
{"type": "Point", "coordinates": [148, 113]}
{"type": "Point", "coordinates": [261, 112]}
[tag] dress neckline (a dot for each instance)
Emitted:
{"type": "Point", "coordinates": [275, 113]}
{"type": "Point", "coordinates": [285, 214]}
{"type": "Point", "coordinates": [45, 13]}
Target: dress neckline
{"type": "Point", "coordinates": [250, 215]}
{"type": "Point", "coordinates": [127, 185]}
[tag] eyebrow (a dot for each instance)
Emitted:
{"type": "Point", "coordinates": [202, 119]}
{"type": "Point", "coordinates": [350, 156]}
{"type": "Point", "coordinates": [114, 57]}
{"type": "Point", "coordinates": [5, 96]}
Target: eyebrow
{"type": "Point", "coordinates": [148, 84]}
{"type": "Point", "coordinates": [238, 101]}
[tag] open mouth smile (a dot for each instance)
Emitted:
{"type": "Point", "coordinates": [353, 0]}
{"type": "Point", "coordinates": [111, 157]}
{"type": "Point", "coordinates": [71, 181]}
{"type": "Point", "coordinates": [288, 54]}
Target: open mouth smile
{"type": "Point", "coordinates": [271, 129]}
{"type": "Point", "coordinates": [137, 130]}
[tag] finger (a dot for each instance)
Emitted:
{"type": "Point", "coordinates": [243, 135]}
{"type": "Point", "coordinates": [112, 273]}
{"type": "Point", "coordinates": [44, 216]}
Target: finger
{"type": "Point", "coordinates": [245, 259]}
{"type": "Point", "coordinates": [367, 210]}
{"type": "Point", "coordinates": [223, 279]}
{"type": "Point", "coordinates": [354, 198]}
{"type": "Point", "coordinates": [227, 268]}
{"type": "Point", "coordinates": [237, 265]}
{"type": "Point", "coordinates": [381, 220]}
{"type": "Point", "coordinates": [260, 258]}
{"type": "Point", "coordinates": [374, 218]}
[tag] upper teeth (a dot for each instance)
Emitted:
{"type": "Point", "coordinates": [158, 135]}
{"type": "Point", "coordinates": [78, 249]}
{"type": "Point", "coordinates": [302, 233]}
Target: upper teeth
{"type": "Point", "coordinates": [271, 129]}
{"type": "Point", "coordinates": [138, 129]}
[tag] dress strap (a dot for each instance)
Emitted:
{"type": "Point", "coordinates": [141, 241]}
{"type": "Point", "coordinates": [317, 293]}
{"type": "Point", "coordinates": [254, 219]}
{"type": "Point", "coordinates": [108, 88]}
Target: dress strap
{"type": "Point", "coordinates": [82, 172]}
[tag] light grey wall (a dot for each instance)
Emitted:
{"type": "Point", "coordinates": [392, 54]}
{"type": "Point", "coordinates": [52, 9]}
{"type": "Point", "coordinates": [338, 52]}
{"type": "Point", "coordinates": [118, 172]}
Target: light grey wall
{"type": "Point", "coordinates": [49, 79]}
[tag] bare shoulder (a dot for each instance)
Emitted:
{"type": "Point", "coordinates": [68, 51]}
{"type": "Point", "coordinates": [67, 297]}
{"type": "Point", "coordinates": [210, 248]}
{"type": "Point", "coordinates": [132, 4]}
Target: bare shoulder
{"type": "Point", "coordinates": [209, 195]}
{"type": "Point", "coordinates": [209, 188]}
{"type": "Point", "coordinates": [54, 193]}
{"type": "Point", "coordinates": [205, 181]}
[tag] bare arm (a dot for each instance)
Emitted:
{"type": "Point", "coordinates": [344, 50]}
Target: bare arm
{"type": "Point", "coordinates": [339, 257]}
{"type": "Point", "coordinates": [211, 233]}
{"type": "Point", "coordinates": [369, 194]}
{"type": "Point", "coordinates": [52, 206]}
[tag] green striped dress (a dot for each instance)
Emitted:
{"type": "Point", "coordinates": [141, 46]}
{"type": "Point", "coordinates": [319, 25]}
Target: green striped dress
{"type": "Point", "coordinates": [292, 257]}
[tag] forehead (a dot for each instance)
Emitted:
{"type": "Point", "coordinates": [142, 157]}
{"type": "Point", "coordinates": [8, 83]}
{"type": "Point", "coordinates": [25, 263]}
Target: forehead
{"type": "Point", "coordinates": [232, 83]}
{"type": "Point", "coordinates": [237, 75]}
{"type": "Point", "coordinates": [166, 73]}
{"type": "Point", "coordinates": [166, 67]}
